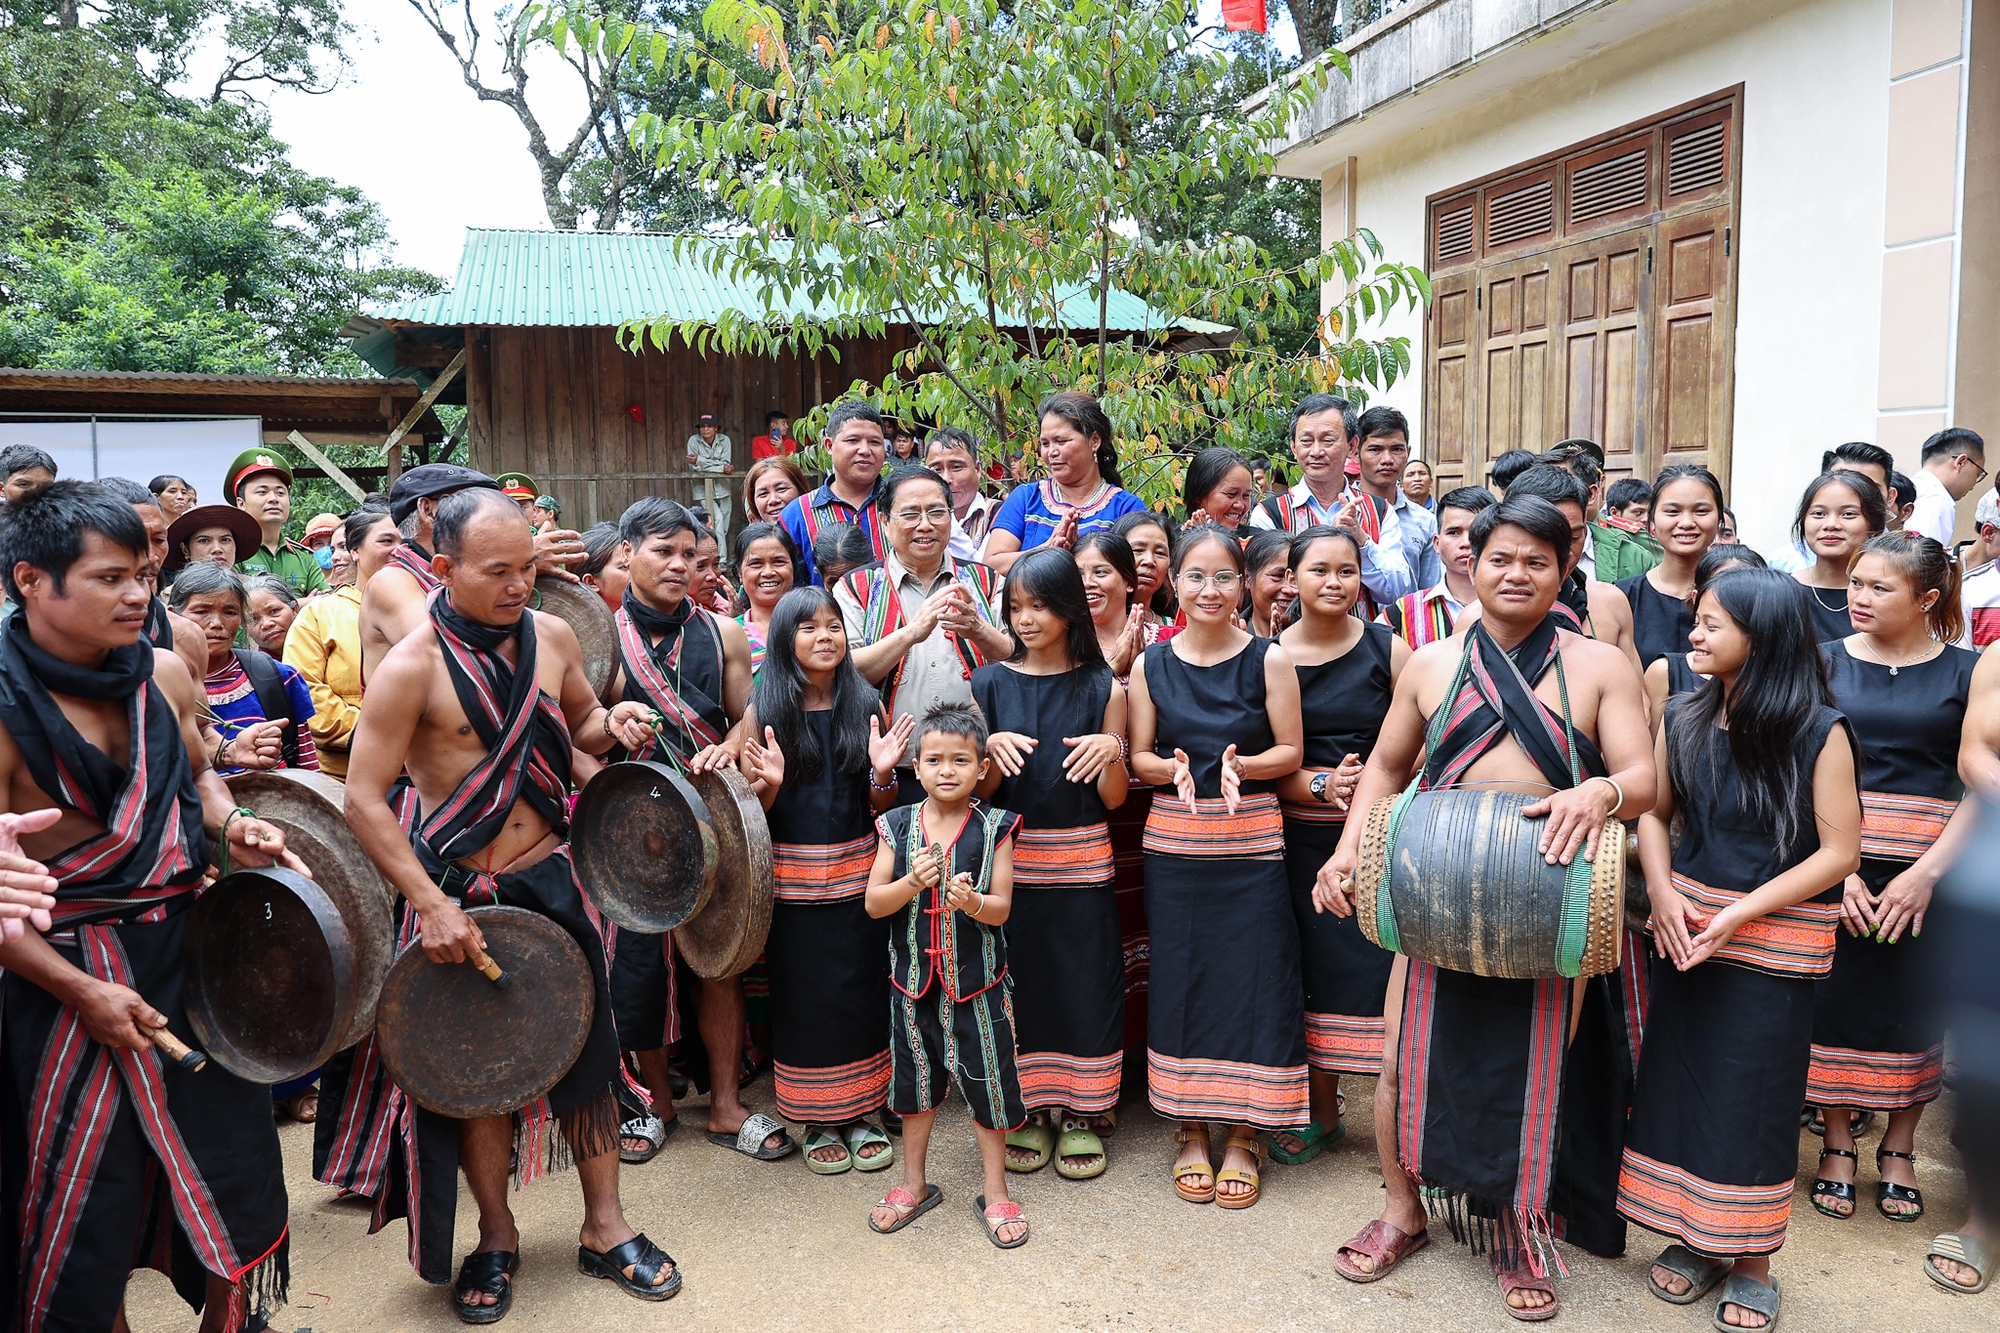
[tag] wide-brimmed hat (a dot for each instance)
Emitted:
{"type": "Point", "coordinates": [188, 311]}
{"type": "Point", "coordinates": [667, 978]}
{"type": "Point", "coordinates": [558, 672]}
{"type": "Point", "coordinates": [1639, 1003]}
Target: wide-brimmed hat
{"type": "Point", "coordinates": [248, 532]}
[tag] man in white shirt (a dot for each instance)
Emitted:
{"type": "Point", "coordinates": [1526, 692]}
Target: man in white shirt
{"type": "Point", "coordinates": [1954, 462]}
{"type": "Point", "coordinates": [1981, 589]}
{"type": "Point", "coordinates": [954, 455]}
{"type": "Point", "coordinates": [710, 451]}
{"type": "Point", "coordinates": [1396, 555]}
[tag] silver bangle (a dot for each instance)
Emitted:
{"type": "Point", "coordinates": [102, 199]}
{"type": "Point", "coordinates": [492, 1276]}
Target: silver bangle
{"type": "Point", "coordinates": [1619, 804]}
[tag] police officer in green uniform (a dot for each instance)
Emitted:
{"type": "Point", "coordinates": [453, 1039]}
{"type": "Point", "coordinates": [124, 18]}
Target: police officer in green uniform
{"type": "Point", "coordinates": [260, 483]}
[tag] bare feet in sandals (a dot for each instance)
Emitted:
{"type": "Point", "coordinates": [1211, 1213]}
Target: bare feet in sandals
{"type": "Point", "coordinates": [1235, 1158]}
{"type": "Point", "coordinates": [1407, 1220]}
{"type": "Point", "coordinates": [1194, 1151]}
{"type": "Point", "coordinates": [721, 1125]}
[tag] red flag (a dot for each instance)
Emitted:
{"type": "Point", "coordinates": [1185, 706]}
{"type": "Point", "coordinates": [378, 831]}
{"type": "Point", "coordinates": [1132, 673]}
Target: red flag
{"type": "Point", "coordinates": [1239, 15]}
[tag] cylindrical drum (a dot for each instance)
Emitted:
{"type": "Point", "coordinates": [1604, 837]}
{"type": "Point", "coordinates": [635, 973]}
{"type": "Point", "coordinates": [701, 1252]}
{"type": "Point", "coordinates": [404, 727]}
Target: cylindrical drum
{"type": "Point", "coordinates": [1454, 877]}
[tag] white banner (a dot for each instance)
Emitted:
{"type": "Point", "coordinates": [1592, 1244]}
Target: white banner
{"type": "Point", "coordinates": [198, 451]}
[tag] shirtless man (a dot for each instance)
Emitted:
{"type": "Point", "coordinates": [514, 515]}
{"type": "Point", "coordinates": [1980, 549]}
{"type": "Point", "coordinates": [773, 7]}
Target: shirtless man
{"type": "Point", "coordinates": [443, 702]}
{"type": "Point", "coordinates": [1600, 609]}
{"type": "Point", "coordinates": [1521, 548]}
{"type": "Point", "coordinates": [105, 967]}
{"type": "Point", "coordinates": [393, 602]}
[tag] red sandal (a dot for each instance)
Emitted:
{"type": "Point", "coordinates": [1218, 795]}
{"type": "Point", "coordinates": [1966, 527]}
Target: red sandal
{"type": "Point", "coordinates": [1386, 1245]}
{"type": "Point", "coordinates": [1523, 1279]}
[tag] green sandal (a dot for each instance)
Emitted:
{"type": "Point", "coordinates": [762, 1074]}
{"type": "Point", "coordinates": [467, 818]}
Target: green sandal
{"type": "Point", "coordinates": [1314, 1136]}
{"type": "Point", "coordinates": [1078, 1140]}
{"type": "Point", "coordinates": [1037, 1138]}
{"type": "Point", "coordinates": [859, 1135]}
{"type": "Point", "coordinates": [817, 1137]}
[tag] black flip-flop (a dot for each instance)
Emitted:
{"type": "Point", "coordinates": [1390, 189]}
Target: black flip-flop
{"type": "Point", "coordinates": [648, 1261]}
{"type": "Point", "coordinates": [490, 1273]}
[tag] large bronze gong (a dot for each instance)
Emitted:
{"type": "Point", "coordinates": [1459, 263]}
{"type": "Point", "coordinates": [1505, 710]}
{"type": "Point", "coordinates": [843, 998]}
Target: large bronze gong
{"type": "Point", "coordinates": [596, 632]}
{"type": "Point", "coordinates": [644, 846]}
{"type": "Point", "coordinates": [274, 982]}
{"type": "Point", "coordinates": [657, 851]}
{"type": "Point", "coordinates": [466, 1048]}
{"type": "Point", "coordinates": [307, 806]}
{"type": "Point", "coordinates": [726, 935]}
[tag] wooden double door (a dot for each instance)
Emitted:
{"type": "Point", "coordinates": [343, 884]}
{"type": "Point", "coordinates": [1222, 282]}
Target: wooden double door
{"type": "Point", "coordinates": [1624, 338]}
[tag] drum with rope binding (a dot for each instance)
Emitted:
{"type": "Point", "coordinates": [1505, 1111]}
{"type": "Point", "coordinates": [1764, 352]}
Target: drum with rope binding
{"type": "Point", "coordinates": [1453, 876]}
{"type": "Point", "coordinates": [596, 632]}
{"type": "Point", "coordinates": [464, 1047]}
{"type": "Point", "coordinates": [275, 978]}
{"type": "Point", "coordinates": [659, 851]}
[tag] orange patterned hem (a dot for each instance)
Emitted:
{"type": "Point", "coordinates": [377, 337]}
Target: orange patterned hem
{"type": "Point", "coordinates": [1708, 1218]}
{"type": "Point", "coordinates": [1247, 1094]}
{"type": "Point", "coordinates": [1795, 941]}
{"type": "Point", "coordinates": [1874, 1080]}
{"type": "Point", "coordinates": [1063, 857]}
{"type": "Point", "coordinates": [811, 873]}
{"type": "Point", "coordinates": [1209, 831]}
{"type": "Point", "coordinates": [1076, 1082]}
{"type": "Point", "coordinates": [1344, 1044]}
{"type": "Point", "coordinates": [834, 1094]}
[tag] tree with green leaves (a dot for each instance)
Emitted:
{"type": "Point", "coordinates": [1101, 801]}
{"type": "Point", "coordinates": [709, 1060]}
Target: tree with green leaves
{"type": "Point", "coordinates": [978, 173]}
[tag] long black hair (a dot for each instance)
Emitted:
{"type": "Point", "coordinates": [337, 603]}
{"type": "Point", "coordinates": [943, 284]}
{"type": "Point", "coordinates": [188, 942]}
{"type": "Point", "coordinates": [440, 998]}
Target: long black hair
{"type": "Point", "coordinates": [1048, 574]}
{"type": "Point", "coordinates": [1206, 471]}
{"type": "Point", "coordinates": [1163, 600]}
{"type": "Point", "coordinates": [1782, 683]}
{"type": "Point", "coordinates": [1117, 553]}
{"type": "Point", "coordinates": [1719, 559]}
{"type": "Point", "coordinates": [1086, 416]}
{"type": "Point", "coordinates": [781, 693]}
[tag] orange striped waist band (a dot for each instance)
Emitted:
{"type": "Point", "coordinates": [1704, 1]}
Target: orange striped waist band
{"type": "Point", "coordinates": [1207, 829]}
{"type": "Point", "coordinates": [1795, 941]}
{"type": "Point", "coordinates": [1901, 828]}
{"type": "Point", "coordinates": [1075, 857]}
{"type": "Point", "coordinates": [1312, 812]}
{"type": "Point", "coordinates": [821, 873]}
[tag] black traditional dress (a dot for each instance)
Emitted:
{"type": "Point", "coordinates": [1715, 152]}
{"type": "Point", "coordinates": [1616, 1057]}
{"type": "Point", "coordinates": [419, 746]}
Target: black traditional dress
{"type": "Point", "coordinates": [1878, 1042]}
{"type": "Point", "coordinates": [1063, 940]}
{"type": "Point", "coordinates": [1345, 975]}
{"type": "Point", "coordinates": [1660, 624]}
{"type": "Point", "coordinates": [1225, 1036]}
{"type": "Point", "coordinates": [1500, 1109]}
{"type": "Point", "coordinates": [112, 1159]}
{"type": "Point", "coordinates": [829, 981]}
{"type": "Point", "coordinates": [1828, 607]}
{"type": "Point", "coordinates": [1712, 1148]}
{"type": "Point", "coordinates": [1682, 678]}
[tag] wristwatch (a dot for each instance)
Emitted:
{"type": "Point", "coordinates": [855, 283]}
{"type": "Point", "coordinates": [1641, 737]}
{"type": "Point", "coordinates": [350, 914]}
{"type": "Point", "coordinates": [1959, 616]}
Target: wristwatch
{"type": "Point", "coordinates": [1319, 785]}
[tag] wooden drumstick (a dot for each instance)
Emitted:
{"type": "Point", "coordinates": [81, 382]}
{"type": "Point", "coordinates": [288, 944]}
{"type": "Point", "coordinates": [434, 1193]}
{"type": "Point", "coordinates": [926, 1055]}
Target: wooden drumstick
{"type": "Point", "coordinates": [179, 1052]}
{"type": "Point", "coordinates": [491, 969]}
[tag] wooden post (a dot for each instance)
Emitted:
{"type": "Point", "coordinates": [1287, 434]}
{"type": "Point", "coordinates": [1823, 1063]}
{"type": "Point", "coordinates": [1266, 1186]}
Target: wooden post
{"type": "Point", "coordinates": [416, 412]}
{"type": "Point", "coordinates": [395, 456]}
{"type": "Point", "coordinates": [310, 450]}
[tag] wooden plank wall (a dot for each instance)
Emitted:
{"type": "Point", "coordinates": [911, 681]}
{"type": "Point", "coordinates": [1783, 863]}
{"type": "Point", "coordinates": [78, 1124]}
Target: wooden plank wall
{"type": "Point", "coordinates": [552, 402]}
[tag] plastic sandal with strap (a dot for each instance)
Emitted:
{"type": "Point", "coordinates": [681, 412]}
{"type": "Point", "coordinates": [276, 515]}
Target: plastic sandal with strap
{"type": "Point", "coordinates": [1035, 1137]}
{"type": "Point", "coordinates": [906, 1206]}
{"type": "Point", "coordinates": [1839, 1190]}
{"type": "Point", "coordinates": [1887, 1192]}
{"type": "Point", "coordinates": [1184, 1170]}
{"type": "Point", "coordinates": [649, 1128]}
{"type": "Point", "coordinates": [1960, 1247]}
{"type": "Point", "coordinates": [818, 1137]}
{"type": "Point", "coordinates": [999, 1214]}
{"type": "Point", "coordinates": [1524, 1279]}
{"type": "Point", "coordinates": [1229, 1175]}
{"type": "Point", "coordinates": [1384, 1245]}
{"type": "Point", "coordinates": [1748, 1294]}
{"type": "Point", "coordinates": [1312, 1137]}
{"type": "Point", "coordinates": [1700, 1274]}
{"type": "Point", "coordinates": [1079, 1141]}
{"type": "Point", "coordinates": [646, 1260]}
{"type": "Point", "coordinates": [861, 1135]}
{"type": "Point", "coordinates": [490, 1273]}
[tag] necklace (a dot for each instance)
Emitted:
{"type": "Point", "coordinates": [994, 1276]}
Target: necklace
{"type": "Point", "coordinates": [1822, 605]}
{"type": "Point", "coordinates": [1923, 654]}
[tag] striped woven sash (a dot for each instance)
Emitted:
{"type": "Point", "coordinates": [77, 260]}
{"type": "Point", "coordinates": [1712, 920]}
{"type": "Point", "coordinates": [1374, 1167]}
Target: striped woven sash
{"type": "Point", "coordinates": [1079, 857]}
{"type": "Point", "coordinates": [1795, 941]}
{"type": "Point", "coordinates": [1901, 828]}
{"type": "Point", "coordinates": [1313, 812]}
{"type": "Point", "coordinates": [1208, 830]}
{"type": "Point", "coordinates": [822, 873]}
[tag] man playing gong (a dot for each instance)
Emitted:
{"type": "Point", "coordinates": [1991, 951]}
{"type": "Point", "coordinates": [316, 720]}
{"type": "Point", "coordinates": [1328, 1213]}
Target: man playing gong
{"type": "Point", "coordinates": [1473, 1068]}
{"type": "Point", "coordinates": [111, 1155]}
{"type": "Point", "coordinates": [483, 710]}
{"type": "Point", "coordinates": [692, 668]}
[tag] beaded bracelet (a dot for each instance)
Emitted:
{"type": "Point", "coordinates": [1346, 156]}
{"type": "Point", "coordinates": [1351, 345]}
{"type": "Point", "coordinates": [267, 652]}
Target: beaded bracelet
{"type": "Point", "coordinates": [890, 785]}
{"type": "Point", "coordinates": [1125, 752]}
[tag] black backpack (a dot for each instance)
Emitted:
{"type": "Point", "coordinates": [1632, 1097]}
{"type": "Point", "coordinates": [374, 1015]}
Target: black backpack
{"type": "Point", "coordinates": [273, 699]}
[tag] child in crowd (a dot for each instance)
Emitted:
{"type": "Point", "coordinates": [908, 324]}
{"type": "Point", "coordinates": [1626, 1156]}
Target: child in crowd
{"type": "Point", "coordinates": [950, 1016]}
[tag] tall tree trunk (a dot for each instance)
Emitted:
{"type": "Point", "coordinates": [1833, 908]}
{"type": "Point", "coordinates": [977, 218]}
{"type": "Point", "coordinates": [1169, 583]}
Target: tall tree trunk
{"type": "Point", "coordinates": [1317, 23]}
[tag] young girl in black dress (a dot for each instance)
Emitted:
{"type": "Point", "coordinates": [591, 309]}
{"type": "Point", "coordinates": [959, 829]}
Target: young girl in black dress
{"type": "Point", "coordinates": [1839, 512]}
{"type": "Point", "coordinates": [1347, 671]}
{"type": "Point", "coordinates": [1057, 722]}
{"type": "Point", "coordinates": [1878, 1042]}
{"type": "Point", "coordinates": [1670, 675]}
{"type": "Point", "coordinates": [821, 756]}
{"type": "Point", "coordinates": [1762, 787]}
{"type": "Point", "coordinates": [1215, 724]}
{"type": "Point", "coordinates": [1684, 512]}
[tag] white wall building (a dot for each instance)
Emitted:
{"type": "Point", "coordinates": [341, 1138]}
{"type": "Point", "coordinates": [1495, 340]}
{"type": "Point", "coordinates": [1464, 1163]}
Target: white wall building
{"type": "Point", "coordinates": [1735, 232]}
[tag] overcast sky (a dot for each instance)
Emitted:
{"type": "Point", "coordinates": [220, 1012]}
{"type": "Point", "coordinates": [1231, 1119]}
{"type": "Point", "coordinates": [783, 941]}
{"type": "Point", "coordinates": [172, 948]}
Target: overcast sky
{"type": "Point", "coordinates": [406, 129]}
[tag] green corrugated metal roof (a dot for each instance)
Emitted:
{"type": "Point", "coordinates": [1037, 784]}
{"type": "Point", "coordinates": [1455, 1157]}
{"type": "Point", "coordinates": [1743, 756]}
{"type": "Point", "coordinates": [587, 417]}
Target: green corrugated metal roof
{"type": "Point", "coordinates": [595, 278]}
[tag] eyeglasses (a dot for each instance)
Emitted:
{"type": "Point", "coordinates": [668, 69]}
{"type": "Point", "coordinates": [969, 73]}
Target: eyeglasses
{"type": "Point", "coordinates": [1982, 471]}
{"type": "Point", "coordinates": [1194, 581]}
{"type": "Point", "coordinates": [936, 514]}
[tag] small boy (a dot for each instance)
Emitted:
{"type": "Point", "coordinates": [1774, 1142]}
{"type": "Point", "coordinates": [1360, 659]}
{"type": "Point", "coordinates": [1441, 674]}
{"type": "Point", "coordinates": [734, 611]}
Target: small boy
{"type": "Point", "coordinates": [949, 1011]}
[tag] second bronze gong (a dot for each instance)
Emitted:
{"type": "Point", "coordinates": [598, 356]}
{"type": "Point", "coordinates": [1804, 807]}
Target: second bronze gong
{"type": "Point", "coordinates": [596, 632]}
{"type": "Point", "coordinates": [644, 847]}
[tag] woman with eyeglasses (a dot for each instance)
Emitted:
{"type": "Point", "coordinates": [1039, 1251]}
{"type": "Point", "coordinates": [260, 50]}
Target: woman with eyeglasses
{"type": "Point", "coordinates": [1214, 725]}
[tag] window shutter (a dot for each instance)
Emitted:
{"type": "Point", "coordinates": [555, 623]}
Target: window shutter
{"type": "Point", "coordinates": [1611, 186]}
{"type": "Point", "coordinates": [1698, 159]}
{"type": "Point", "coordinates": [1454, 234]}
{"type": "Point", "coordinates": [1521, 214]}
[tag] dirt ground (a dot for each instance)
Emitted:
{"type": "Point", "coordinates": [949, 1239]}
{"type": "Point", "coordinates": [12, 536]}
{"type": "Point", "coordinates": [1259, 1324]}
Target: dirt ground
{"type": "Point", "coordinates": [769, 1246]}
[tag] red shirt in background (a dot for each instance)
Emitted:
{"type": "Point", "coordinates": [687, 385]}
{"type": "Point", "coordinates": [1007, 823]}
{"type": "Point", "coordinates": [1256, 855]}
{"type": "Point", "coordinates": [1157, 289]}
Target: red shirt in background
{"type": "Point", "coordinates": [761, 447]}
